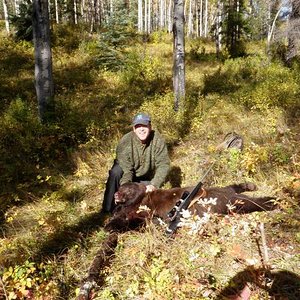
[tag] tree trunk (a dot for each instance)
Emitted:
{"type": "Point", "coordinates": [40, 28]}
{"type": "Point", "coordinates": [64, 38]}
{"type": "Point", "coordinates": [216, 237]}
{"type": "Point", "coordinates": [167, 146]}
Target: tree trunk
{"type": "Point", "coordinates": [201, 19]}
{"type": "Point", "coordinates": [43, 60]}
{"type": "Point", "coordinates": [190, 19]}
{"type": "Point", "coordinates": [75, 12]}
{"type": "Point", "coordinates": [149, 16]}
{"type": "Point", "coordinates": [218, 35]}
{"type": "Point", "coordinates": [206, 18]}
{"type": "Point", "coordinates": [140, 15]}
{"type": "Point", "coordinates": [293, 33]}
{"type": "Point", "coordinates": [56, 11]}
{"type": "Point", "coordinates": [170, 24]}
{"type": "Point", "coordinates": [270, 33]}
{"type": "Point", "coordinates": [146, 16]}
{"type": "Point", "coordinates": [178, 54]}
{"type": "Point", "coordinates": [17, 7]}
{"type": "Point", "coordinates": [162, 9]}
{"type": "Point", "coordinates": [5, 11]}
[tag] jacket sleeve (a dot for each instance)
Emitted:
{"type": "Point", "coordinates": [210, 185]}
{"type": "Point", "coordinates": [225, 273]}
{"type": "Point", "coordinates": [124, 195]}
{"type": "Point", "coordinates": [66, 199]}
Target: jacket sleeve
{"type": "Point", "coordinates": [124, 157]}
{"type": "Point", "coordinates": [162, 163]}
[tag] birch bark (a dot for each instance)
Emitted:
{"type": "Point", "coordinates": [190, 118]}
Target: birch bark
{"type": "Point", "coordinates": [43, 60]}
{"type": "Point", "coordinates": [178, 54]}
{"type": "Point", "coordinates": [5, 11]}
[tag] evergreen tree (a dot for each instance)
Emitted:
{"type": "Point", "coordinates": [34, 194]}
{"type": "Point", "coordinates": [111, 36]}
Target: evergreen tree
{"type": "Point", "coordinates": [23, 21]}
{"type": "Point", "coordinates": [235, 27]}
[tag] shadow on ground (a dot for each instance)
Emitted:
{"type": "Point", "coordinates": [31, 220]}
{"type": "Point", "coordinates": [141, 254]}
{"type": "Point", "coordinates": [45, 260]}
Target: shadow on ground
{"type": "Point", "coordinates": [280, 284]}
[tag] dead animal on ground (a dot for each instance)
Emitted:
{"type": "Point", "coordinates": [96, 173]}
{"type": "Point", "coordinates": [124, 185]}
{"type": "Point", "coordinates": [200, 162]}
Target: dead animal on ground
{"type": "Point", "coordinates": [135, 206]}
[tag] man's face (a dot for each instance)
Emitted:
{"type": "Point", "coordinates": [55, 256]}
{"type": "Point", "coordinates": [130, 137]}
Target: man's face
{"type": "Point", "coordinates": [142, 131]}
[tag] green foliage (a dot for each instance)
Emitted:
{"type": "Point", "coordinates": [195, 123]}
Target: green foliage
{"type": "Point", "coordinates": [16, 76]}
{"type": "Point", "coordinates": [164, 118]}
{"type": "Point", "coordinates": [66, 36]}
{"type": "Point", "coordinates": [31, 145]}
{"type": "Point", "coordinates": [278, 51]}
{"type": "Point", "coordinates": [23, 21]}
{"type": "Point", "coordinates": [255, 84]}
{"type": "Point", "coordinates": [235, 29]}
{"type": "Point", "coordinates": [280, 154]}
{"type": "Point", "coordinates": [159, 37]}
{"type": "Point", "coordinates": [53, 210]}
{"type": "Point", "coordinates": [201, 49]}
{"type": "Point", "coordinates": [145, 73]}
{"type": "Point", "coordinates": [18, 128]}
{"type": "Point", "coordinates": [23, 281]}
{"type": "Point", "coordinates": [114, 38]}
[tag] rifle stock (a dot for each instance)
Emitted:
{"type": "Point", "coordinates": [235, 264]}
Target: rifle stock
{"type": "Point", "coordinates": [184, 204]}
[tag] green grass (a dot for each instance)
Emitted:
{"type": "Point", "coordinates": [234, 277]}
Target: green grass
{"type": "Point", "coordinates": [54, 178]}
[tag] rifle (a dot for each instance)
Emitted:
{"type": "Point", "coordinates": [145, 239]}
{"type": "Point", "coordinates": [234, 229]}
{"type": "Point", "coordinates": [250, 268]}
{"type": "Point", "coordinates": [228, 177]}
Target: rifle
{"type": "Point", "coordinates": [231, 140]}
{"type": "Point", "coordinates": [183, 203]}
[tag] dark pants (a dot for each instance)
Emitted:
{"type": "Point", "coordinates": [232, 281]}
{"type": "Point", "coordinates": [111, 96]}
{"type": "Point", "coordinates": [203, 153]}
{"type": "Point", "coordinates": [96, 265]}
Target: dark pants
{"type": "Point", "coordinates": [113, 184]}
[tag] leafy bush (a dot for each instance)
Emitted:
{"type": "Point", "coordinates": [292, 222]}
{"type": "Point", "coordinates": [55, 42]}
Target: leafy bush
{"type": "Point", "coordinates": [32, 146]}
{"type": "Point", "coordinates": [24, 281]}
{"type": "Point", "coordinates": [164, 118]}
{"type": "Point", "coordinates": [256, 84]}
{"type": "Point", "coordinates": [158, 37]}
{"type": "Point", "coordinates": [67, 36]}
{"type": "Point", "coordinates": [18, 129]}
{"type": "Point", "coordinates": [145, 73]}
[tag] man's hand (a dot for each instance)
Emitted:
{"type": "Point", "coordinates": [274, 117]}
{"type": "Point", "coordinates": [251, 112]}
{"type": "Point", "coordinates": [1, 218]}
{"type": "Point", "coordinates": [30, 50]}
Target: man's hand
{"type": "Point", "coordinates": [150, 188]}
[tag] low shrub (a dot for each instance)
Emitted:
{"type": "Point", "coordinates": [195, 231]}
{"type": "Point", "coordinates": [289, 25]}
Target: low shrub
{"type": "Point", "coordinates": [164, 118]}
{"type": "Point", "coordinates": [254, 83]}
{"type": "Point", "coordinates": [145, 73]}
{"type": "Point", "coordinates": [67, 37]}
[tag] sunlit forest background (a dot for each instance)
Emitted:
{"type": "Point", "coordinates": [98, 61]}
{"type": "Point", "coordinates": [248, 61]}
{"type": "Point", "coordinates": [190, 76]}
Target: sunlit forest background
{"type": "Point", "coordinates": [112, 59]}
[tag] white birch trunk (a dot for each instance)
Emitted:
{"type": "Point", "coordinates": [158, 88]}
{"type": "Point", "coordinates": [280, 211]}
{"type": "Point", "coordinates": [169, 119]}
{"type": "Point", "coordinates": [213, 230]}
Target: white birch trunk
{"type": "Point", "coordinates": [56, 12]}
{"type": "Point", "coordinates": [218, 36]}
{"type": "Point", "coordinates": [92, 15]}
{"type": "Point", "coordinates": [5, 12]}
{"type": "Point", "coordinates": [43, 60]}
{"type": "Point", "coordinates": [111, 7]}
{"type": "Point", "coordinates": [161, 13]}
{"type": "Point", "coordinates": [149, 15]}
{"type": "Point", "coordinates": [82, 10]}
{"type": "Point", "coordinates": [190, 19]}
{"type": "Point", "coordinates": [206, 18]}
{"type": "Point", "coordinates": [75, 12]}
{"type": "Point", "coordinates": [140, 15]}
{"type": "Point", "coordinates": [201, 18]}
{"type": "Point", "coordinates": [146, 16]}
{"type": "Point", "coordinates": [270, 33]}
{"type": "Point", "coordinates": [170, 23]}
{"type": "Point", "coordinates": [17, 7]}
{"type": "Point", "coordinates": [178, 55]}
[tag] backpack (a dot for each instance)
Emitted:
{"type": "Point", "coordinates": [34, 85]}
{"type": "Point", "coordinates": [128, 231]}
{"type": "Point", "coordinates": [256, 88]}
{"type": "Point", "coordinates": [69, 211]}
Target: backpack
{"type": "Point", "coordinates": [231, 140]}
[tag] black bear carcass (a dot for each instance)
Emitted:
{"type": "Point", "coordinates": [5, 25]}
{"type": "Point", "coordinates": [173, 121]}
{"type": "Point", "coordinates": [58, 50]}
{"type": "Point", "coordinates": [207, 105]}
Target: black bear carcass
{"type": "Point", "coordinates": [135, 206]}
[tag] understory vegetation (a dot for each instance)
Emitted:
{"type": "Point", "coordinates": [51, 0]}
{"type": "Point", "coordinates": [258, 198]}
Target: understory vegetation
{"type": "Point", "coordinates": [53, 176]}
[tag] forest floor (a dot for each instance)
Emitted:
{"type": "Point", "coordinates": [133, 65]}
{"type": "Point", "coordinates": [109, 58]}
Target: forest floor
{"type": "Point", "coordinates": [51, 227]}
